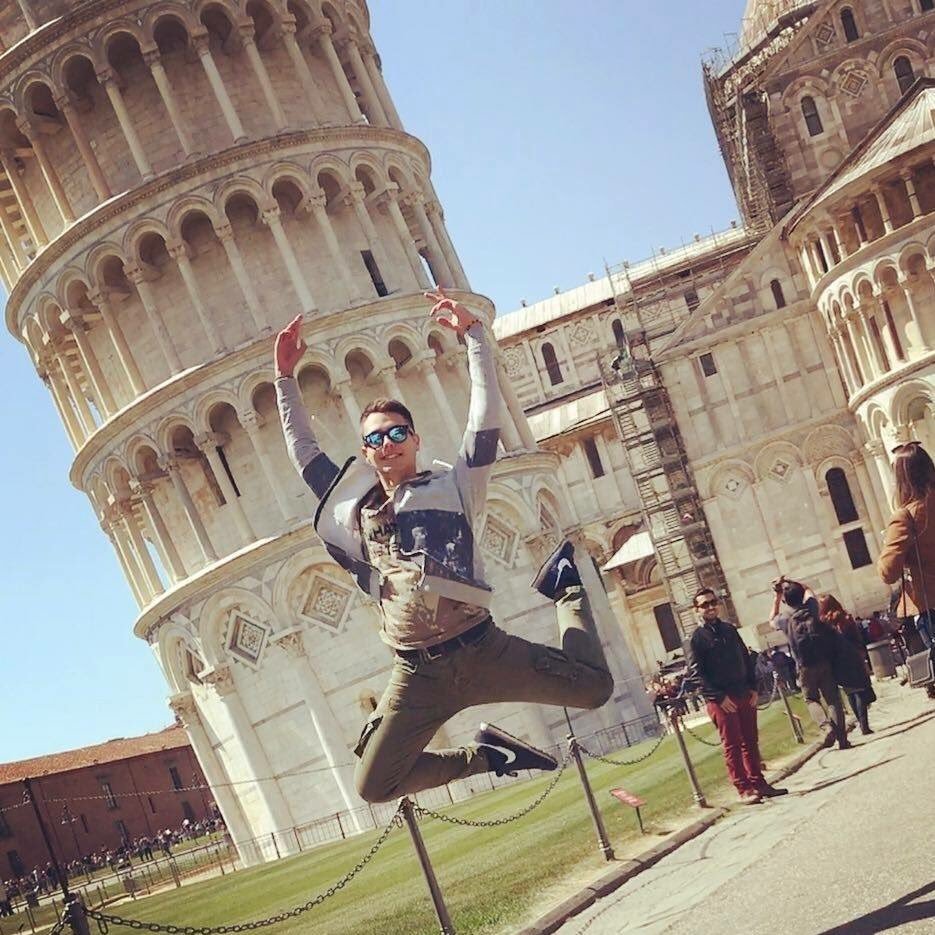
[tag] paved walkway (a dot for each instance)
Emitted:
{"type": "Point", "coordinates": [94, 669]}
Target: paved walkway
{"type": "Point", "coordinates": [848, 852]}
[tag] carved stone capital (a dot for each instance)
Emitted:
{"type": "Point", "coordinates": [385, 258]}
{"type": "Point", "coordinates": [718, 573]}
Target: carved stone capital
{"type": "Point", "coordinates": [321, 30]}
{"type": "Point", "coordinates": [177, 249]}
{"type": "Point", "coordinates": [71, 321]}
{"type": "Point", "coordinates": [184, 708]}
{"type": "Point", "coordinates": [875, 448]}
{"type": "Point", "coordinates": [152, 57]}
{"type": "Point", "coordinates": [220, 678]}
{"type": "Point", "coordinates": [251, 421]}
{"type": "Point", "coordinates": [210, 441]}
{"type": "Point", "coordinates": [316, 201]}
{"type": "Point", "coordinates": [224, 233]}
{"type": "Point", "coordinates": [292, 644]}
{"type": "Point", "coordinates": [271, 217]}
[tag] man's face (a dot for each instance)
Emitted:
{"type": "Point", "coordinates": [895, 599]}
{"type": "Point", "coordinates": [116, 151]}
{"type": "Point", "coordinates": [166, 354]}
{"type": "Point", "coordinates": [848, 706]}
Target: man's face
{"type": "Point", "coordinates": [706, 607]}
{"type": "Point", "coordinates": [395, 462]}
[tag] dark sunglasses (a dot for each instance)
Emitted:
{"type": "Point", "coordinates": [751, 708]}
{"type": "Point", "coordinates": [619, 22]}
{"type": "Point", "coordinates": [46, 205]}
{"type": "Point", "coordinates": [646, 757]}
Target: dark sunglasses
{"type": "Point", "coordinates": [706, 604]}
{"type": "Point", "coordinates": [395, 433]}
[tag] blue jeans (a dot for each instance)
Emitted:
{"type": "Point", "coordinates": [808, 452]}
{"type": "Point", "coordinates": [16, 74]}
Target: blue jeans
{"type": "Point", "coordinates": [924, 627]}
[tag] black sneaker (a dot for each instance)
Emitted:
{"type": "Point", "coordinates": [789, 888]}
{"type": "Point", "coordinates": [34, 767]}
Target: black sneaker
{"type": "Point", "coordinates": [558, 572]}
{"type": "Point", "coordinates": [767, 791]}
{"type": "Point", "coordinates": [507, 754]}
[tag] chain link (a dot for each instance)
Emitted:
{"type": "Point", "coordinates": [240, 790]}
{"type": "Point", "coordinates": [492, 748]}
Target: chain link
{"type": "Point", "coordinates": [699, 738]}
{"type": "Point", "coordinates": [496, 822]}
{"type": "Point", "coordinates": [612, 762]}
{"type": "Point", "coordinates": [60, 925]}
{"type": "Point", "coordinates": [771, 698]}
{"type": "Point", "coordinates": [104, 920]}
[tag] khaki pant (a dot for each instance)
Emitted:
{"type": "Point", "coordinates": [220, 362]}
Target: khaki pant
{"type": "Point", "coordinates": [818, 684]}
{"type": "Point", "coordinates": [422, 696]}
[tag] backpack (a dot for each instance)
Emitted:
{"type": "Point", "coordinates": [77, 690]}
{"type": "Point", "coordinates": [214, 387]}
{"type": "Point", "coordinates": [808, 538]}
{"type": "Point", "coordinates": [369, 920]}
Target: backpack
{"type": "Point", "coordinates": [809, 637]}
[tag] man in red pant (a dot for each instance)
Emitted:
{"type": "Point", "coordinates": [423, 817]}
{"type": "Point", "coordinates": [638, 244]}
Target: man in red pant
{"type": "Point", "coordinates": [723, 667]}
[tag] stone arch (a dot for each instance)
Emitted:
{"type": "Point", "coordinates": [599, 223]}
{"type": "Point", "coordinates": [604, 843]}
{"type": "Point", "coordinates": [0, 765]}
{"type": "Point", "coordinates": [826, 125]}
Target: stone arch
{"type": "Point", "coordinates": [113, 31]}
{"type": "Point", "coordinates": [362, 345]}
{"type": "Point", "coordinates": [330, 12]}
{"type": "Point", "coordinates": [913, 49]}
{"type": "Point", "coordinates": [32, 335]}
{"type": "Point", "coordinates": [877, 421]}
{"type": "Point", "coordinates": [245, 187]}
{"type": "Point", "coordinates": [100, 255]}
{"type": "Point", "coordinates": [203, 408]}
{"type": "Point", "coordinates": [38, 89]}
{"type": "Point", "coordinates": [545, 497]}
{"type": "Point", "coordinates": [249, 386]}
{"type": "Point", "coordinates": [731, 468]}
{"type": "Point", "coordinates": [290, 172]}
{"type": "Point", "coordinates": [368, 171]}
{"type": "Point", "coordinates": [116, 476]}
{"type": "Point", "coordinates": [165, 13]}
{"type": "Point", "coordinates": [880, 269]}
{"type": "Point", "coordinates": [48, 308]}
{"type": "Point", "coordinates": [907, 394]}
{"type": "Point", "coordinates": [214, 620]}
{"type": "Point", "coordinates": [909, 252]}
{"type": "Point", "coordinates": [186, 206]}
{"type": "Point", "coordinates": [289, 589]}
{"type": "Point", "coordinates": [137, 453]}
{"type": "Point", "coordinates": [167, 428]}
{"type": "Point", "coordinates": [171, 638]}
{"type": "Point", "coordinates": [137, 234]}
{"type": "Point", "coordinates": [65, 285]}
{"type": "Point", "coordinates": [439, 340]}
{"type": "Point", "coordinates": [397, 171]}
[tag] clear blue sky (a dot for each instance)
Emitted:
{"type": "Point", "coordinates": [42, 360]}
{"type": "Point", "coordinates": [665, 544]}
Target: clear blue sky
{"type": "Point", "coordinates": [562, 134]}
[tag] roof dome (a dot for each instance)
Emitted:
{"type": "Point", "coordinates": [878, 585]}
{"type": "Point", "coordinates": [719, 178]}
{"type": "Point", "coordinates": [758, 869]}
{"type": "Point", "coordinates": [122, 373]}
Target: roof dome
{"type": "Point", "coordinates": [761, 15]}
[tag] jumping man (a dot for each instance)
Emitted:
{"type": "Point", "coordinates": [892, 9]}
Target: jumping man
{"type": "Point", "coordinates": [408, 539]}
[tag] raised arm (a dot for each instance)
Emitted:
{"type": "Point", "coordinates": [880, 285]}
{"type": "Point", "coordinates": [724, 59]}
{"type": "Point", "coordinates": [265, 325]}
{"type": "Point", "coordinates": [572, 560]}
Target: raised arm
{"type": "Point", "coordinates": [316, 468]}
{"type": "Point", "coordinates": [482, 432]}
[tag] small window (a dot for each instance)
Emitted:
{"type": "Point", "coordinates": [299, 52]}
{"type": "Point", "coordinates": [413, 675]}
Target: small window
{"type": "Point", "coordinates": [152, 804]}
{"type": "Point", "coordinates": [122, 830]}
{"type": "Point", "coordinates": [551, 364]}
{"type": "Point", "coordinates": [109, 796]}
{"type": "Point", "coordinates": [812, 117]}
{"type": "Point", "coordinates": [668, 628]}
{"type": "Point", "coordinates": [926, 5]}
{"type": "Point", "coordinates": [905, 76]}
{"type": "Point", "coordinates": [775, 287]}
{"type": "Point", "coordinates": [17, 867]}
{"type": "Point", "coordinates": [594, 457]}
{"type": "Point", "coordinates": [375, 276]}
{"type": "Point", "coordinates": [850, 25]}
{"type": "Point", "coordinates": [188, 811]}
{"type": "Point", "coordinates": [222, 455]}
{"type": "Point", "coordinates": [84, 823]}
{"type": "Point", "coordinates": [708, 367]}
{"type": "Point", "coordinates": [822, 259]}
{"type": "Point", "coordinates": [858, 219]}
{"type": "Point", "coordinates": [617, 327]}
{"type": "Point", "coordinates": [856, 544]}
{"type": "Point", "coordinates": [692, 300]}
{"type": "Point", "coordinates": [841, 499]}
{"type": "Point", "coordinates": [175, 777]}
{"type": "Point", "coordinates": [891, 326]}
{"type": "Point", "coordinates": [5, 831]}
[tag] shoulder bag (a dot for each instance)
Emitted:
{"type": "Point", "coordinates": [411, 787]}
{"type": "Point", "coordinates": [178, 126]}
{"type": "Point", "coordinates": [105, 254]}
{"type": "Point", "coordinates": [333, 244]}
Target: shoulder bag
{"type": "Point", "coordinates": [921, 665]}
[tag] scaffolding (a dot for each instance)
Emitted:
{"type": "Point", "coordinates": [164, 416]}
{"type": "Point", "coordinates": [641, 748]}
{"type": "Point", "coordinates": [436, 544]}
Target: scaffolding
{"type": "Point", "coordinates": [670, 505]}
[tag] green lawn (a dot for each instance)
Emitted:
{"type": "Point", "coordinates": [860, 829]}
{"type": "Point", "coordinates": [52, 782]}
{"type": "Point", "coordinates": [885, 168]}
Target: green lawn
{"type": "Point", "coordinates": [491, 878]}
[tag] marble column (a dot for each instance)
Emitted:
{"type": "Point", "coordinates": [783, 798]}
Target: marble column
{"type": "Point", "coordinates": [876, 450]}
{"type": "Point", "coordinates": [172, 468]}
{"type": "Point", "coordinates": [906, 176]}
{"type": "Point", "coordinates": [150, 573]}
{"type": "Point", "coordinates": [122, 350]}
{"type": "Point", "coordinates": [85, 150]}
{"type": "Point", "coordinates": [208, 443]}
{"type": "Point", "coordinates": [203, 49]}
{"type": "Point", "coordinates": [252, 424]}
{"type": "Point", "coordinates": [844, 362]}
{"type": "Point", "coordinates": [102, 394]}
{"type": "Point", "coordinates": [143, 493]}
{"type": "Point", "coordinates": [321, 32]}
{"type": "Point", "coordinates": [307, 80]}
{"type": "Point", "coordinates": [316, 203]}
{"type": "Point", "coordinates": [346, 392]}
{"type": "Point", "coordinates": [357, 199]}
{"type": "Point", "coordinates": [870, 500]}
{"type": "Point", "coordinates": [328, 732]}
{"type": "Point", "coordinates": [51, 177]}
{"type": "Point", "coordinates": [393, 389]}
{"type": "Point", "coordinates": [861, 364]}
{"type": "Point", "coordinates": [74, 388]}
{"type": "Point", "coordinates": [153, 61]}
{"type": "Point", "coordinates": [376, 76]}
{"type": "Point", "coordinates": [271, 218]}
{"type": "Point", "coordinates": [521, 434]}
{"type": "Point", "coordinates": [257, 764]}
{"type": "Point", "coordinates": [225, 234]}
{"type": "Point", "coordinates": [389, 200]}
{"type": "Point", "coordinates": [425, 367]}
{"type": "Point", "coordinates": [917, 335]}
{"type": "Point", "coordinates": [49, 375]}
{"type": "Point", "coordinates": [23, 197]}
{"type": "Point", "coordinates": [374, 105]}
{"type": "Point", "coordinates": [137, 276]}
{"type": "Point", "coordinates": [437, 219]}
{"type": "Point", "coordinates": [129, 568]}
{"type": "Point", "coordinates": [108, 81]}
{"type": "Point", "coordinates": [878, 365]}
{"type": "Point", "coordinates": [443, 274]}
{"type": "Point", "coordinates": [28, 15]}
{"type": "Point", "coordinates": [186, 710]}
{"type": "Point", "coordinates": [178, 250]}
{"type": "Point", "coordinates": [262, 76]}
{"type": "Point", "coordinates": [17, 252]}
{"type": "Point", "coordinates": [883, 208]}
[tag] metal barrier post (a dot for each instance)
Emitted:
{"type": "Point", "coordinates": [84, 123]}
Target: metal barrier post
{"type": "Point", "coordinates": [75, 914]}
{"type": "Point", "coordinates": [602, 841]}
{"type": "Point", "coordinates": [697, 794]}
{"type": "Point", "coordinates": [438, 901]}
{"type": "Point", "coordinates": [793, 720]}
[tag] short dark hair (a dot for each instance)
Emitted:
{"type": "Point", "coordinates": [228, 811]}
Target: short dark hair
{"type": "Point", "coordinates": [793, 594]}
{"type": "Point", "coordinates": [383, 404]}
{"type": "Point", "coordinates": [701, 591]}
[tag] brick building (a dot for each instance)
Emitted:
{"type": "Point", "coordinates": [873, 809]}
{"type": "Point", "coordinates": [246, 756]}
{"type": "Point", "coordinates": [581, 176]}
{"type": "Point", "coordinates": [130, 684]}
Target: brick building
{"type": "Point", "coordinates": [121, 789]}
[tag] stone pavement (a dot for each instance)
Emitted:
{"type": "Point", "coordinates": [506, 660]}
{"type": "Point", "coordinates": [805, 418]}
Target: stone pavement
{"type": "Point", "coordinates": [847, 852]}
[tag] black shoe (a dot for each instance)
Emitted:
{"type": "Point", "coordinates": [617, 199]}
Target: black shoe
{"type": "Point", "coordinates": [558, 572]}
{"type": "Point", "coordinates": [770, 792]}
{"type": "Point", "coordinates": [506, 754]}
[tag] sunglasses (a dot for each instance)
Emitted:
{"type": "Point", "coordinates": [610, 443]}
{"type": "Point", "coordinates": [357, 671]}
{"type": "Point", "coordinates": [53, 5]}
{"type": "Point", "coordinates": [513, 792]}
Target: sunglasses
{"type": "Point", "coordinates": [704, 605]}
{"type": "Point", "coordinates": [395, 433]}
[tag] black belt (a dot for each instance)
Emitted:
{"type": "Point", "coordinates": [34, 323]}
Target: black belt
{"type": "Point", "coordinates": [431, 653]}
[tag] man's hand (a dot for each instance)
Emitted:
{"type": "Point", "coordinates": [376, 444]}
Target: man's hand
{"type": "Point", "coordinates": [289, 347]}
{"type": "Point", "coordinates": [754, 696]}
{"type": "Point", "coordinates": [728, 705]}
{"type": "Point", "coordinates": [450, 313]}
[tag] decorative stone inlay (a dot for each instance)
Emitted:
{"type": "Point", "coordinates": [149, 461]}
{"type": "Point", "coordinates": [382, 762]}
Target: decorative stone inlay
{"type": "Point", "coordinates": [733, 485]}
{"type": "Point", "coordinates": [247, 638]}
{"type": "Point", "coordinates": [581, 335]}
{"type": "Point", "coordinates": [825, 34]}
{"type": "Point", "coordinates": [780, 469]}
{"type": "Point", "coordinates": [498, 540]}
{"type": "Point", "coordinates": [514, 360]}
{"type": "Point", "coordinates": [326, 602]}
{"type": "Point", "coordinates": [854, 83]}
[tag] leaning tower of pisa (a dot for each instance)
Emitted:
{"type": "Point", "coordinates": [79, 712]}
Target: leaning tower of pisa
{"type": "Point", "coordinates": [179, 179]}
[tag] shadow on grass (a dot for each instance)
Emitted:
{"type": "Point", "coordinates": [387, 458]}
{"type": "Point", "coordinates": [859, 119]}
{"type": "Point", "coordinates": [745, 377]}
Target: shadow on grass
{"type": "Point", "coordinates": [900, 911]}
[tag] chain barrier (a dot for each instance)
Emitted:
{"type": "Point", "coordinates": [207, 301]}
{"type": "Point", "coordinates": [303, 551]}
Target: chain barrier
{"type": "Point", "coordinates": [104, 920]}
{"type": "Point", "coordinates": [496, 822]}
{"type": "Point", "coordinates": [771, 698]}
{"type": "Point", "coordinates": [699, 738]}
{"type": "Point", "coordinates": [612, 762]}
{"type": "Point", "coordinates": [60, 925]}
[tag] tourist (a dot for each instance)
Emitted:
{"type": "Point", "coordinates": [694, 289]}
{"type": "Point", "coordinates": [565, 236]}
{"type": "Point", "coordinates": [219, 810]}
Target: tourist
{"type": "Point", "coordinates": [850, 659]}
{"type": "Point", "coordinates": [449, 654]}
{"type": "Point", "coordinates": [812, 643]}
{"type": "Point", "coordinates": [784, 667]}
{"type": "Point", "coordinates": [908, 553]}
{"type": "Point", "coordinates": [723, 668]}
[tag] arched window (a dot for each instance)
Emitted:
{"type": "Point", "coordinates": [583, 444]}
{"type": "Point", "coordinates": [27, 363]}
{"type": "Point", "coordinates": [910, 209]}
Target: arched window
{"type": "Point", "coordinates": [778, 297]}
{"type": "Point", "coordinates": [617, 327]}
{"type": "Point", "coordinates": [551, 364]}
{"type": "Point", "coordinates": [849, 24]}
{"type": "Point", "coordinates": [841, 498]}
{"type": "Point", "coordinates": [926, 5]}
{"type": "Point", "coordinates": [812, 118]}
{"type": "Point", "coordinates": [905, 76]}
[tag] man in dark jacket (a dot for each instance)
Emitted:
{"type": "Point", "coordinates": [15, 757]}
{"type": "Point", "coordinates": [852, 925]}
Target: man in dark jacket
{"type": "Point", "coordinates": [723, 667]}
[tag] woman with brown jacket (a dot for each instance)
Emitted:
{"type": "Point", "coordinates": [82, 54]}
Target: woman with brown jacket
{"type": "Point", "coordinates": [908, 551]}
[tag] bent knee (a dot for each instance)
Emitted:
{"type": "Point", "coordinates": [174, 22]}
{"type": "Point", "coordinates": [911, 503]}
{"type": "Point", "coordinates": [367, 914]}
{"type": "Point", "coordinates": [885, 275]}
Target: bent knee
{"type": "Point", "coordinates": [373, 788]}
{"type": "Point", "coordinates": [600, 686]}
